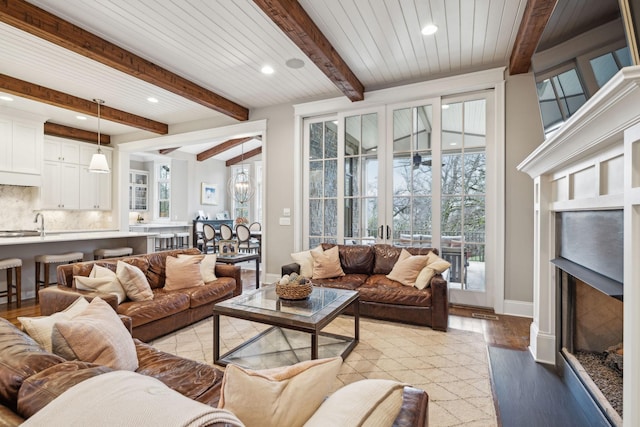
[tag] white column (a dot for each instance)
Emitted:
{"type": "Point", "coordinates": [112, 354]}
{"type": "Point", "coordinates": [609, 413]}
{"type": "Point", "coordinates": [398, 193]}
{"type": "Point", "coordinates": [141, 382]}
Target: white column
{"type": "Point", "coordinates": [631, 383]}
{"type": "Point", "coordinates": [543, 328]}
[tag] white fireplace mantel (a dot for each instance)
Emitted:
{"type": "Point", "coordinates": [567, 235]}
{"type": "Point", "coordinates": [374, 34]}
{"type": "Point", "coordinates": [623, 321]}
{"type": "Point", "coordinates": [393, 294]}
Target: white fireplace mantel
{"type": "Point", "coordinates": [591, 162]}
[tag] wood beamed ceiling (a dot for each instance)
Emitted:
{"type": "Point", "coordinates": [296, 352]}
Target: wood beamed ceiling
{"type": "Point", "coordinates": [241, 158]}
{"type": "Point", "coordinates": [54, 129]}
{"type": "Point", "coordinates": [288, 15]}
{"type": "Point", "coordinates": [535, 18]}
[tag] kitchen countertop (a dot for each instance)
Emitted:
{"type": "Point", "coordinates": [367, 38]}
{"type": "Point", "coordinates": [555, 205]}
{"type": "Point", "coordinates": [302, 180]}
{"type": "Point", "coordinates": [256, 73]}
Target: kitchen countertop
{"type": "Point", "coordinates": [54, 236]}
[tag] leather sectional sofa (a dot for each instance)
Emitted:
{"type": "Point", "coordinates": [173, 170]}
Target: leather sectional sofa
{"type": "Point", "coordinates": [31, 377]}
{"type": "Point", "coordinates": [366, 267]}
{"type": "Point", "coordinates": [168, 311]}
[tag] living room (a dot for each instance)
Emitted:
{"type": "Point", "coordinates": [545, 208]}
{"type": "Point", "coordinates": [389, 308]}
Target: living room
{"type": "Point", "coordinates": [510, 274]}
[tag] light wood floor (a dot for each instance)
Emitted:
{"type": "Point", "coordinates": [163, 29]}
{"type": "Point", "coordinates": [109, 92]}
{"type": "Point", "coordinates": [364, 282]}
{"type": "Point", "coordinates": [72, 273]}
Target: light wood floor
{"type": "Point", "coordinates": [505, 331]}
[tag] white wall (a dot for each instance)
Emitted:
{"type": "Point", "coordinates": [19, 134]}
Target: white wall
{"type": "Point", "coordinates": [523, 134]}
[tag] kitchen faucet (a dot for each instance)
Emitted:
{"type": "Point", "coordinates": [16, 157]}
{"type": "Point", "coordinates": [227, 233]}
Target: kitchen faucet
{"type": "Point", "coordinates": [39, 214]}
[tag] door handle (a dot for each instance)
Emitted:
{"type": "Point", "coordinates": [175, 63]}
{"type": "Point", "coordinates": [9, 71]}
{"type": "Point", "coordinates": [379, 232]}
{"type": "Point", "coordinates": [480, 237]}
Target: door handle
{"type": "Point", "coordinates": [388, 232]}
{"type": "Point", "coordinates": [380, 231]}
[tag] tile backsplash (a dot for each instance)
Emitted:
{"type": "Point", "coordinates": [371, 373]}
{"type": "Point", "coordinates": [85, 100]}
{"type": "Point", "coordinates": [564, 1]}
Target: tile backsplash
{"type": "Point", "coordinates": [20, 204]}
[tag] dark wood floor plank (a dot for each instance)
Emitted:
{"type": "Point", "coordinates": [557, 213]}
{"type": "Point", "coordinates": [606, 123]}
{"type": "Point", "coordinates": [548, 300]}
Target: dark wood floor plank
{"type": "Point", "coordinates": [531, 394]}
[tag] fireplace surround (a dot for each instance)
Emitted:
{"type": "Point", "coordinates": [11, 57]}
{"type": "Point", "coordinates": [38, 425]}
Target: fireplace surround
{"type": "Point", "coordinates": [592, 164]}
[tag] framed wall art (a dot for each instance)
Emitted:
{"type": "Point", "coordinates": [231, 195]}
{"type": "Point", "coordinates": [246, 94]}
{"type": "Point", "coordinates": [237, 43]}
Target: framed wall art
{"type": "Point", "coordinates": [209, 194]}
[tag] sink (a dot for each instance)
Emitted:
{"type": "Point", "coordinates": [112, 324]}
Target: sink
{"type": "Point", "coordinates": [19, 233]}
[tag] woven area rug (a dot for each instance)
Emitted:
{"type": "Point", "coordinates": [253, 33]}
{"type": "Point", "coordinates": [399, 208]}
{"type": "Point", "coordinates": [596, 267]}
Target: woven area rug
{"type": "Point", "coordinates": [451, 366]}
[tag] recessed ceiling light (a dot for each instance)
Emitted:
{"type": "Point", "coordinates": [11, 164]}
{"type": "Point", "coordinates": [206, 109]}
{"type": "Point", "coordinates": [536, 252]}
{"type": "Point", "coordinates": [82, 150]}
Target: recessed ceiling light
{"type": "Point", "coordinates": [6, 98]}
{"type": "Point", "coordinates": [152, 99]}
{"type": "Point", "coordinates": [429, 29]}
{"type": "Point", "coordinates": [295, 63]}
{"type": "Point", "coordinates": [267, 69]}
{"type": "Point", "coordinates": [81, 118]}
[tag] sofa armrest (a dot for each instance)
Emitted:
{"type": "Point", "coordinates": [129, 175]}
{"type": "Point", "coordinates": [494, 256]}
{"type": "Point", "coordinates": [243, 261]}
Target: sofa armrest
{"type": "Point", "coordinates": [8, 418]}
{"type": "Point", "coordinates": [294, 267]}
{"type": "Point", "coordinates": [439, 303]}
{"type": "Point", "coordinates": [230, 270]}
{"type": "Point", "coordinates": [415, 408]}
{"type": "Point", "coordinates": [56, 298]}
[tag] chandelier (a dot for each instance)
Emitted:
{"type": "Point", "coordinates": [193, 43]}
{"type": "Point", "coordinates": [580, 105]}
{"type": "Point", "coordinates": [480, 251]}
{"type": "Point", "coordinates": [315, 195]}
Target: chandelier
{"type": "Point", "coordinates": [98, 162]}
{"type": "Point", "coordinates": [241, 185]}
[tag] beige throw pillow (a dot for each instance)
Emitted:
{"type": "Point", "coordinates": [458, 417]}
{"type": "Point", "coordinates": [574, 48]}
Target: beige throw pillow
{"type": "Point", "coordinates": [407, 268]}
{"type": "Point", "coordinates": [435, 264]}
{"type": "Point", "coordinates": [366, 403]}
{"type": "Point", "coordinates": [326, 265]}
{"type": "Point", "coordinates": [285, 396]}
{"type": "Point", "coordinates": [103, 280]}
{"type": "Point", "coordinates": [96, 335]}
{"type": "Point", "coordinates": [305, 260]}
{"type": "Point", "coordinates": [134, 282]}
{"type": "Point", "coordinates": [183, 272]}
{"type": "Point", "coordinates": [39, 328]}
{"type": "Point", "coordinates": [207, 266]}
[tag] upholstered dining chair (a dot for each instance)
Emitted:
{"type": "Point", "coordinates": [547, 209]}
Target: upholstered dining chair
{"type": "Point", "coordinates": [208, 239]}
{"type": "Point", "coordinates": [226, 232]}
{"type": "Point", "coordinates": [244, 240]}
{"type": "Point", "coordinates": [255, 226]}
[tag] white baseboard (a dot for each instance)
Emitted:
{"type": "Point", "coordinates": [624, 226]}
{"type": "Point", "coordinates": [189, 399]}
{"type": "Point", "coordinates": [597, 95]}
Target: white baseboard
{"type": "Point", "coordinates": [517, 308]}
{"type": "Point", "coordinates": [542, 346]}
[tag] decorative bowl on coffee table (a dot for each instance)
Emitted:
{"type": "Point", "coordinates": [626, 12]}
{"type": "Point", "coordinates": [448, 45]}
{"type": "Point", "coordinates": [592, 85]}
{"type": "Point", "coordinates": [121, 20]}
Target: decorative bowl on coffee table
{"type": "Point", "coordinates": [294, 292]}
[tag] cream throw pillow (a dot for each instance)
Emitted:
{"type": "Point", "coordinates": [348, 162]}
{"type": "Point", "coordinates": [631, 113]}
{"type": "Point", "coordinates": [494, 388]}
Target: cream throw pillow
{"type": "Point", "coordinates": [305, 260]}
{"type": "Point", "coordinates": [407, 268]}
{"type": "Point", "coordinates": [278, 397]}
{"type": "Point", "coordinates": [134, 282]}
{"type": "Point", "coordinates": [435, 264]}
{"type": "Point", "coordinates": [103, 280]}
{"type": "Point", "coordinates": [96, 335]}
{"type": "Point", "coordinates": [326, 265]}
{"type": "Point", "coordinates": [207, 266]}
{"type": "Point", "coordinates": [366, 403]}
{"type": "Point", "coordinates": [39, 328]}
{"type": "Point", "coordinates": [183, 272]}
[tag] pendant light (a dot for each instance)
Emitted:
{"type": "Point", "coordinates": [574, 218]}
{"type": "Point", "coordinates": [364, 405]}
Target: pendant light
{"type": "Point", "coordinates": [241, 186]}
{"type": "Point", "coordinates": [99, 161]}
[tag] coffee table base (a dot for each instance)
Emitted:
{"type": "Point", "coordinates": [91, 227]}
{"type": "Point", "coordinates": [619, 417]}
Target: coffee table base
{"type": "Point", "coordinates": [277, 347]}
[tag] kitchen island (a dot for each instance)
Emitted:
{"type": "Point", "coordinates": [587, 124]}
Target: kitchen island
{"type": "Point", "coordinates": [26, 248]}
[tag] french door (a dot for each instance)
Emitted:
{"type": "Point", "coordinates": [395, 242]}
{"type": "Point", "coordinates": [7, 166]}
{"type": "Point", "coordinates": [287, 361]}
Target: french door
{"type": "Point", "coordinates": [413, 174]}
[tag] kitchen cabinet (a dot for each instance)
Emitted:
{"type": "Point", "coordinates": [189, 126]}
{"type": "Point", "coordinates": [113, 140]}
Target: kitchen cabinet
{"type": "Point", "coordinates": [60, 189]}
{"type": "Point", "coordinates": [95, 188]}
{"type": "Point", "coordinates": [138, 190]}
{"type": "Point", "coordinates": [20, 151]}
{"type": "Point", "coordinates": [56, 150]}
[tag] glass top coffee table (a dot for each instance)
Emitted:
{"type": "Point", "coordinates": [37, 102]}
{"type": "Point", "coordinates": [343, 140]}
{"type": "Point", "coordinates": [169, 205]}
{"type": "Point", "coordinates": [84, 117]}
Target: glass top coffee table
{"type": "Point", "coordinates": [296, 327]}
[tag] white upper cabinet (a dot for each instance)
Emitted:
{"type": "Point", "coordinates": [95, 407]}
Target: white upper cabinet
{"type": "Point", "coordinates": [61, 151]}
{"type": "Point", "coordinates": [95, 188]}
{"type": "Point", "coordinates": [20, 151]}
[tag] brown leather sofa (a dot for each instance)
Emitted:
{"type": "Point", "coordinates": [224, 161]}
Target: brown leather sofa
{"type": "Point", "coordinates": [30, 378]}
{"type": "Point", "coordinates": [365, 268]}
{"type": "Point", "coordinates": [167, 312]}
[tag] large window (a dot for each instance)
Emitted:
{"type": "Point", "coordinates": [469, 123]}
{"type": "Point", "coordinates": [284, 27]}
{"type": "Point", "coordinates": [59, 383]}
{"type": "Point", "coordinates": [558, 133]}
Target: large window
{"type": "Point", "coordinates": [560, 96]}
{"type": "Point", "coordinates": [163, 191]}
{"type": "Point", "coordinates": [605, 66]}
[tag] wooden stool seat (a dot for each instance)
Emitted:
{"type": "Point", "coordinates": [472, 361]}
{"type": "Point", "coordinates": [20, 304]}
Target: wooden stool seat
{"type": "Point", "coordinates": [48, 259]}
{"type": "Point", "coordinates": [112, 252]}
{"type": "Point", "coordinates": [12, 265]}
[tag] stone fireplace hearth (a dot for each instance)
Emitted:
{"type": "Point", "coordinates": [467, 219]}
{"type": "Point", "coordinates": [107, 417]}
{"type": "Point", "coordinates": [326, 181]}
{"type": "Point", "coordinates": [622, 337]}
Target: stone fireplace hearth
{"type": "Point", "coordinates": [591, 164]}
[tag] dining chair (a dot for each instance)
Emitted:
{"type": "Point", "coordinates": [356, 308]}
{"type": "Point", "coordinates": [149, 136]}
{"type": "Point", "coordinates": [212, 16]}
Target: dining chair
{"type": "Point", "coordinates": [244, 240]}
{"type": "Point", "coordinates": [226, 232]}
{"type": "Point", "coordinates": [255, 226]}
{"type": "Point", "coordinates": [208, 238]}
{"type": "Point", "coordinates": [198, 231]}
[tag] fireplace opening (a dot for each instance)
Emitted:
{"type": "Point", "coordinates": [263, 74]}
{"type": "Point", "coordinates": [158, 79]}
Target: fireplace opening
{"type": "Point", "coordinates": [592, 342]}
{"type": "Point", "coordinates": [589, 311]}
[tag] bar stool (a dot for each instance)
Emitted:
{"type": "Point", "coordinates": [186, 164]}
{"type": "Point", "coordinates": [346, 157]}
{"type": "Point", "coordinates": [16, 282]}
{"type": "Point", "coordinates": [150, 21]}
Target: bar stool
{"type": "Point", "coordinates": [110, 253]}
{"type": "Point", "coordinates": [70, 258]}
{"type": "Point", "coordinates": [11, 265]}
{"type": "Point", "coordinates": [164, 241]}
{"type": "Point", "coordinates": [182, 240]}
